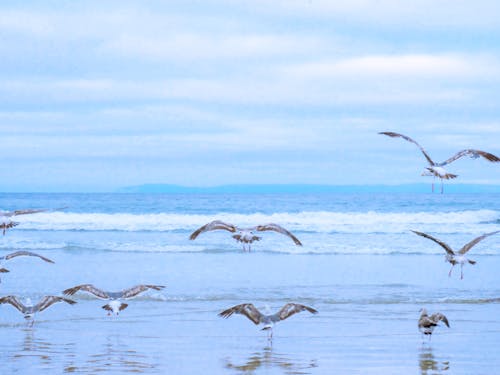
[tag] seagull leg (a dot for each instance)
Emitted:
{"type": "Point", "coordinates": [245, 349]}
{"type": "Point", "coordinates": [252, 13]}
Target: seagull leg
{"type": "Point", "coordinates": [433, 179]}
{"type": "Point", "coordinates": [461, 272]}
{"type": "Point", "coordinates": [451, 269]}
{"type": "Point", "coordinates": [441, 186]}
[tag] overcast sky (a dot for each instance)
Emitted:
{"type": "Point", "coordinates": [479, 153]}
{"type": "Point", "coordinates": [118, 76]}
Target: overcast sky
{"type": "Point", "coordinates": [96, 95]}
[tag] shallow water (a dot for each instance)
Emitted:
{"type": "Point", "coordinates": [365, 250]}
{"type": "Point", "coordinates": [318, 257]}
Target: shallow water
{"type": "Point", "coordinates": [362, 269]}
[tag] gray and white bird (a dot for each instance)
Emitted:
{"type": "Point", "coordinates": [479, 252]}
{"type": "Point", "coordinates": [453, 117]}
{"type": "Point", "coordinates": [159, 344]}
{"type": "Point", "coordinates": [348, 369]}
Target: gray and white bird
{"type": "Point", "coordinates": [427, 323]}
{"type": "Point", "coordinates": [115, 305]}
{"type": "Point", "coordinates": [29, 310]}
{"type": "Point", "coordinates": [268, 321]}
{"type": "Point", "coordinates": [436, 169]}
{"type": "Point", "coordinates": [457, 257]}
{"type": "Point", "coordinates": [6, 221]}
{"type": "Point", "coordinates": [20, 253]}
{"type": "Point", "coordinates": [244, 235]}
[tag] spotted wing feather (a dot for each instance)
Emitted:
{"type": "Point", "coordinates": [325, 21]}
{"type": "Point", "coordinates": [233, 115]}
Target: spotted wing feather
{"type": "Point", "coordinates": [14, 301]}
{"type": "Point", "coordinates": [87, 288]}
{"type": "Point", "coordinates": [50, 300]}
{"type": "Point", "coordinates": [246, 309]}
{"type": "Point", "coordinates": [25, 253]}
{"type": "Point", "coordinates": [293, 308]}
{"type": "Point", "coordinates": [472, 153]}
{"type": "Point", "coordinates": [439, 242]}
{"type": "Point", "coordinates": [405, 137]}
{"type": "Point", "coordinates": [213, 225]}
{"type": "Point", "coordinates": [468, 246]}
{"type": "Point", "coordinates": [132, 292]}
{"type": "Point", "coordinates": [436, 317]}
{"type": "Point", "coordinates": [279, 229]}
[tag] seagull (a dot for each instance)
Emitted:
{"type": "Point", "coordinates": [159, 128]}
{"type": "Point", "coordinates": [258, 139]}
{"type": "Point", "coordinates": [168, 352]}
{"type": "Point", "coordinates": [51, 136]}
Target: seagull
{"type": "Point", "coordinates": [268, 321]}
{"type": "Point", "coordinates": [244, 235]}
{"type": "Point", "coordinates": [436, 169]}
{"type": "Point", "coordinates": [21, 253]}
{"type": "Point", "coordinates": [7, 223]}
{"type": "Point", "coordinates": [427, 323]}
{"type": "Point", "coordinates": [29, 309]}
{"type": "Point", "coordinates": [116, 305]}
{"type": "Point", "coordinates": [456, 257]}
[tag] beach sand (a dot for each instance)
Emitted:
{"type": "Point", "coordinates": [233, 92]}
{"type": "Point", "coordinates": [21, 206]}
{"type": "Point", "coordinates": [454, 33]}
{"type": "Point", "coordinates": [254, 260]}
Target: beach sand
{"type": "Point", "coordinates": [367, 323]}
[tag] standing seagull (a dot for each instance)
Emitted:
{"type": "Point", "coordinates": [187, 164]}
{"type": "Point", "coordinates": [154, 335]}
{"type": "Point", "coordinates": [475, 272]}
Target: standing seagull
{"type": "Point", "coordinates": [6, 221]}
{"type": "Point", "coordinates": [21, 253]}
{"type": "Point", "coordinates": [251, 312]}
{"type": "Point", "coordinates": [436, 169]}
{"type": "Point", "coordinates": [29, 309]}
{"type": "Point", "coordinates": [456, 257]}
{"type": "Point", "coordinates": [244, 235]}
{"type": "Point", "coordinates": [116, 305]}
{"type": "Point", "coordinates": [427, 323]}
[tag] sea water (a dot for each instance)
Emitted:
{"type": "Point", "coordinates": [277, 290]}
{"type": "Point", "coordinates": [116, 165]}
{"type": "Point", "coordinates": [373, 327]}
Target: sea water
{"type": "Point", "coordinates": [360, 266]}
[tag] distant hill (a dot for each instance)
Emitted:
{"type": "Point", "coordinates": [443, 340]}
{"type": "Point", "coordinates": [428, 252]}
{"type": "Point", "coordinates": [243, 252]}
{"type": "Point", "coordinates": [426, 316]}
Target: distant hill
{"type": "Point", "coordinates": [291, 188]}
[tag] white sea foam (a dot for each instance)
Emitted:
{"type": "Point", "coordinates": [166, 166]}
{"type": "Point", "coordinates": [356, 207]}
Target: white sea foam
{"type": "Point", "coordinates": [471, 221]}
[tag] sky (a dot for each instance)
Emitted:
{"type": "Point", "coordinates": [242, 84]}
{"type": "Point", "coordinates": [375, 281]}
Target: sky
{"type": "Point", "coordinates": [98, 95]}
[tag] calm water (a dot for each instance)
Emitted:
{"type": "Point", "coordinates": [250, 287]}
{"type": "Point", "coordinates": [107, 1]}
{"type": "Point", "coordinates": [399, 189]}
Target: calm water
{"type": "Point", "coordinates": [360, 266]}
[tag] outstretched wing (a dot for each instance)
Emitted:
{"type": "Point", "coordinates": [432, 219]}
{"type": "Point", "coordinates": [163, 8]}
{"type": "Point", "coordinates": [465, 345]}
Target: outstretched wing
{"type": "Point", "coordinates": [50, 300]}
{"type": "Point", "coordinates": [25, 212]}
{"type": "Point", "coordinates": [4, 270]}
{"type": "Point", "coordinates": [473, 154]}
{"type": "Point", "coordinates": [132, 292]}
{"type": "Point", "coordinates": [247, 309]}
{"type": "Point", "coordinates": [293, 308]}
{"type": "Point", "coordinates": [405, 137]}
{"type": "Point", "coordinates": [279, 229]}
{"type": "Point", "coordinates": [439, 242]}
{"type": "Point", "coordinates": [214, 225]}
{"type": "Point", "coordinates": [468, 246]}
{"type": "Point", "coordinates": [87, 288]}
{"type": "Point", "coordinates": [436, 317]}
{"type": "Point", "coordinates": [25, 253]}
{"type": "Point", "coordinates": [14, 302]}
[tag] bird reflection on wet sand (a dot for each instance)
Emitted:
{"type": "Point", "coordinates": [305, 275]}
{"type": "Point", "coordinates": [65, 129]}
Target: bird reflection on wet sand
{"type": "Point", "coordinates": [113, 356]}
{"type": "Point", "coordinates": [34, 347]}
{"type": "Point", "coordinates": [267, 358]}
{"type": "Point", "coordinates": [428, 363]}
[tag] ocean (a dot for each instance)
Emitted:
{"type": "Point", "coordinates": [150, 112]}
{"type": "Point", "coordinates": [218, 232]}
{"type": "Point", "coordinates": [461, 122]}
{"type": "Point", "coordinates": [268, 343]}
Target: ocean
{"type": "Point", "coordinates": [360, 266]}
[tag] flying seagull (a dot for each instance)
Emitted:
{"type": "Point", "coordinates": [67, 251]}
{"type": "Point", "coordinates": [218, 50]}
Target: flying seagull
{"type": "Point", "coordinates": [436, 169]}
{"type": "Point", "coordinates": [116, 305]}
{"type": "Point", "coordinates": [268, 321]}
{"type": "Point", "coordinates": [244, 235]}
{"type": "Point", "coordinates": [29, 309]}
{"type": "Point", "coordinates": [21, 253]}
{"type": "Point", "coordinates": [427, 323]}
{"type": "Point", "coordinates": [456, 257]}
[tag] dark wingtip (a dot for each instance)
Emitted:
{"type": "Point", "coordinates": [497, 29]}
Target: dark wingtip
{"type": "Point", "coordinates": [69, 291]}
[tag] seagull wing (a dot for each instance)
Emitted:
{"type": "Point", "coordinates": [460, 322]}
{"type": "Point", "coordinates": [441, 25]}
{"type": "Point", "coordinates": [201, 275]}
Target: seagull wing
{"type": "Point", "coordinates": [25, 212]}
{"type": "Point", "coordinates": [468, 246]}
{"type": "Point", "coordinates": [50, 300]}
{"type": "Point", "coordinates": [87, 288]}
{"type": "Point", "coordinates": [247, 309]}
{"type": "Point", "coordinates": [473, 154]}
{"type": "Point", "coordinates": [405, 137]}
{"type": "Point", "coordinates": [132, 292]}
{"type": "Point", "coordinates": [214, 225]}
{"type": "Point", "coordinates": [293, 308]}
{"type": "Point", "coordinates": [439, 242]}
{"type": "Point", "coordinates": [436, 317]}
{"type": "Point", "coordinates": [14, 301]}
{"type": "Point", "coordinates": [25, 253]}
{"type": "Point", "coordinates": [279, 229]}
